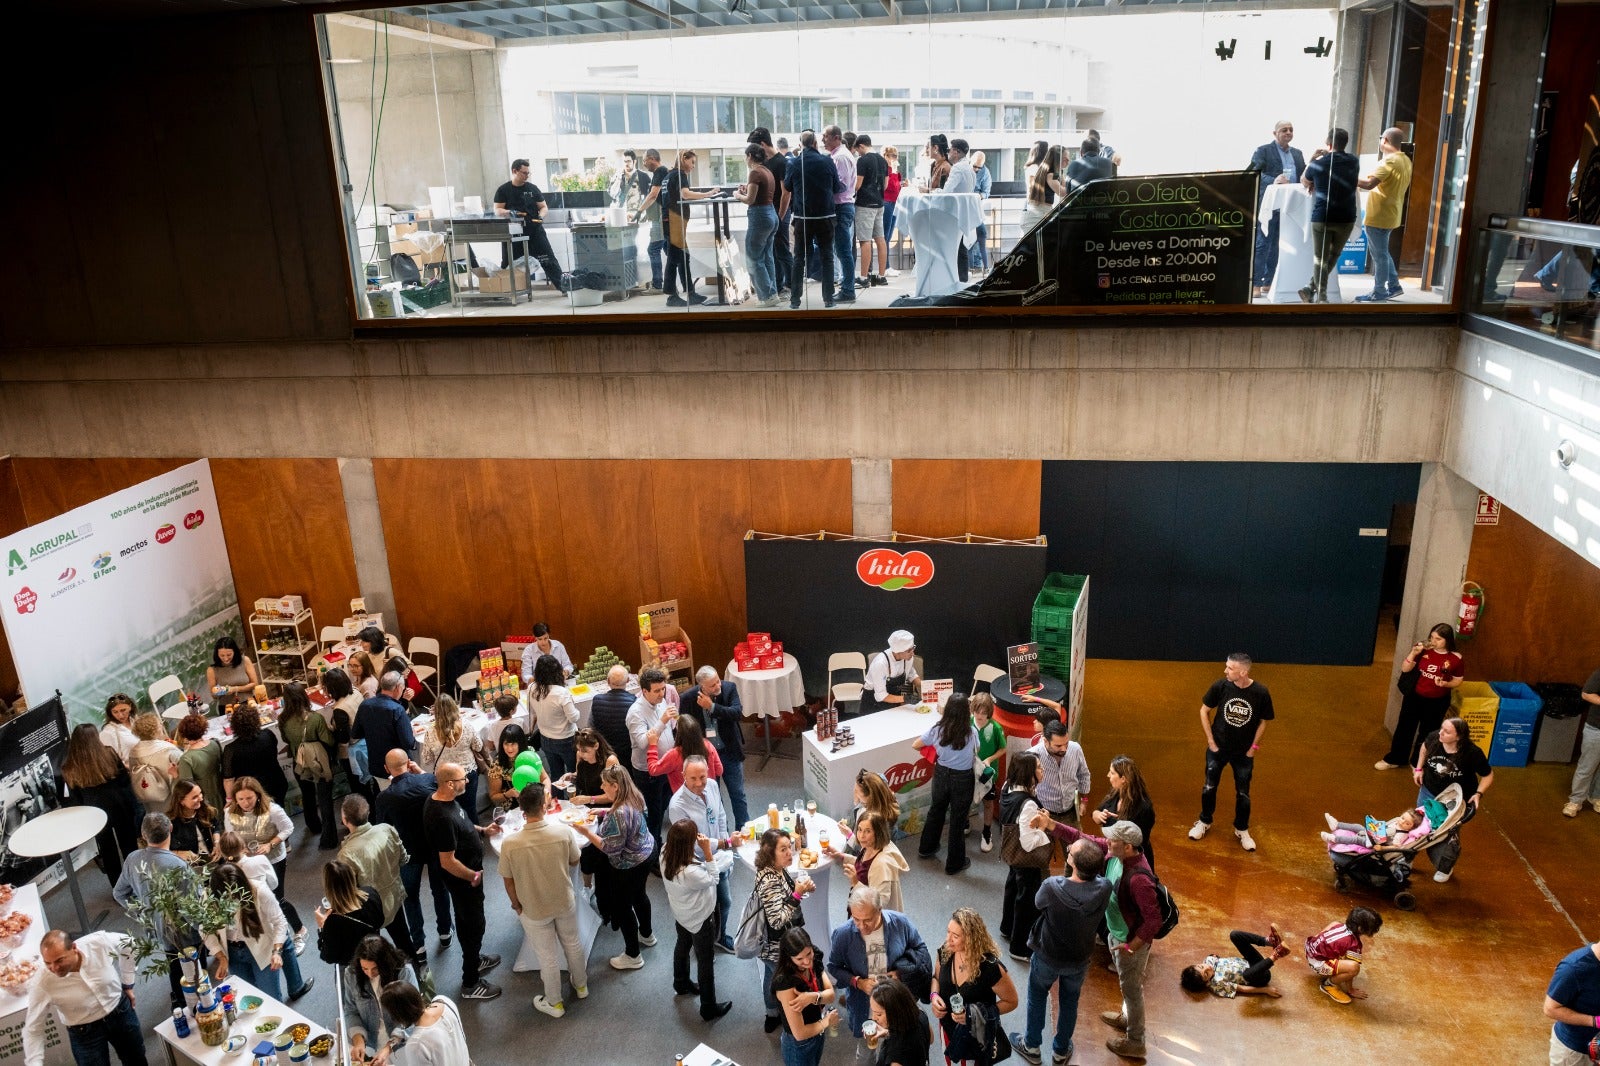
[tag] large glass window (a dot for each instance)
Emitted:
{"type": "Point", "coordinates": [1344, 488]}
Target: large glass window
{"type": "Point", "coordinates": [427, 123]}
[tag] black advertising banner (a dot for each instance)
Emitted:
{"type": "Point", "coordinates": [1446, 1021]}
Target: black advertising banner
{"type": "Point", "coordinates": [1022, 668]}
{"type": "Point", "coordinates": [965, 603]}
{"type": "Point", "coordinates": [31, 746]}
{"type": "Point", "coordinates": [1172, 239]}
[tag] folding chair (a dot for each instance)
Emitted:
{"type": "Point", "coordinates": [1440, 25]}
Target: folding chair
{"type": "Point", "coordinates": [846, 691]}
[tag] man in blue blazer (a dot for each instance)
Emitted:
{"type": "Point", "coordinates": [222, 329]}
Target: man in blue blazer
{"type": "Point", "coordinates": [856, 964]}
{"type": "Point", "coordinates": [715, 704]}
{"type": "Point", "coordinates": [1276, 163]}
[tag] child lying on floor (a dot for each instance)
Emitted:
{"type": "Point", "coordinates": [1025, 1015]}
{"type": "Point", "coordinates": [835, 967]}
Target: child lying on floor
{"type": "Point", "coordinates": [1245, 974]}
{"type": "Point", "coordinates": [1400, 831]}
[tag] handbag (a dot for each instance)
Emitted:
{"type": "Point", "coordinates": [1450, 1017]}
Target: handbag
{"type": "Point", "coordinates": [1407, 682]}
{"type": "Point", "coordinates": [753, 931]}
{"type": "Point", "coordinates": [1014, 854]}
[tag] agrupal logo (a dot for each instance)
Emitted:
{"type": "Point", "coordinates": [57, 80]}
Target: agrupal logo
{"type": "Point", "coordinates": [887, 569]}
{"type": "Point", "coordinates": [16, 563]}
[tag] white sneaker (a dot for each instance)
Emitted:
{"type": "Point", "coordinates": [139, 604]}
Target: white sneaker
{"type": "Point", "coordinates": [987, 843]}
{"type": "Point", "coordinates": [1596, 805]}
{"type": "Point", "coordinates": [555, 1010]}
{"type": "Point", "coordinates": [1198, 830]}
{"type": "Point", "coordinates": [300, 942]}
{"type": "Point", "coordinates": [1571, 810]}
{"type": "Point", "coordinates": [626, 962]}
{"type": "Point", "coordinates": [648, 941]}
{"type": "Point", "coordinates": [581, 991]}
{"type": "Point", "coordinates": [1385, 764]}
{"type": "Point", "coordinates": [1440, 876]}
{"type": "Point", "coordinates": [1245, 839]}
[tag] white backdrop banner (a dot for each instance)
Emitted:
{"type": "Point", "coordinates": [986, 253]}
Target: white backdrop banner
{"type": "Point", "coordinates": [120, 592]}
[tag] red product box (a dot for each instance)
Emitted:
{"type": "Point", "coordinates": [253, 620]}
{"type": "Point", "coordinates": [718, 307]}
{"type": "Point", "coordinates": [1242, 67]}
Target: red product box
{"type": "Point", "coordinates": [757, 638]}
{"type": "Point", "coordinates": [743, 664]}
{"type": "Point", "coordinates": [769, 662]}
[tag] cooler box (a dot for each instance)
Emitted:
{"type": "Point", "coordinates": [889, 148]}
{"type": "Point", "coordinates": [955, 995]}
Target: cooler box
{"type": "Point", "coordinates": [1515, 723]}
{"type": "Point", "coordinates": [1479, 705]}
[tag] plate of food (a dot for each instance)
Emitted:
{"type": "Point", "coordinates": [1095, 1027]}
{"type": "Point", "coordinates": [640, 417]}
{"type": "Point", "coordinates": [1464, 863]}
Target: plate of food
{"type": "Point", "coordinates": [269, 1024]}
{"type": "Point", "coordinates": [576, 817]}
{"type": "Point", "coordinates": [580, 690]}
{"type": "Point", "coordinates": [15, 976]}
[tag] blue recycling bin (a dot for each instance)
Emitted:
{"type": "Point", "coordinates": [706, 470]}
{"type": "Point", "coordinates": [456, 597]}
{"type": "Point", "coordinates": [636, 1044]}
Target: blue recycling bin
{"type": "Point", "coordinates": [1514, 728]}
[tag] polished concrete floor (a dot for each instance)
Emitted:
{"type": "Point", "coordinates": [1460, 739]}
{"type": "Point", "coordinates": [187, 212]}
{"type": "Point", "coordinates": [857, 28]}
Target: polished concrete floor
{"type": "Point", "coordinates": [1460, 979]}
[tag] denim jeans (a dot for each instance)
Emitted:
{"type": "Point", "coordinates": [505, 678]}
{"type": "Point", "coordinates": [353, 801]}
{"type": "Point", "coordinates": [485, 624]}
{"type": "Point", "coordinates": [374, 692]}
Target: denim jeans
{"type": "Point", "coordinates": [978, 255]}
{"type": "Point", "coordinates": [762, 223]}
{"type": "Point", "coordinates": [1069, 977]}
{"type": "Point", "coordinates": [733, 785]}
{"type": "Point", "coordinates": [1243, 768]}
{"type": "Point", "coordinates": [411, 878]}
{"type": "Point", "coordinates": [802, 1052]}
{"type": "Point", "coordinates": [91, 1043]}
{"type": "Point", "coordinates": [1385, 280]}
{"type": "Point", "coordinates": [768, 999]}
{"type": "Point", "coordinates": [1267, 250]}
{"type": "Point", "coordinates": [1586, 779]}
{"type": "Point", "coordinates": [844, 246]}
{"type": "Point", "coordinates": [888, 222]}
{"type": "Point", "coordinates": [724, 905]}
{"type": "Point", "coordinates": [242, 965]}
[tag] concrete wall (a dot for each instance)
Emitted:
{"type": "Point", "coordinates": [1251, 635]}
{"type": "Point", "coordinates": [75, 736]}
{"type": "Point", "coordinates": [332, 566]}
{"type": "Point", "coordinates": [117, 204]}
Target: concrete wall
{"type": "Point", "coordinates": [1238, 393]}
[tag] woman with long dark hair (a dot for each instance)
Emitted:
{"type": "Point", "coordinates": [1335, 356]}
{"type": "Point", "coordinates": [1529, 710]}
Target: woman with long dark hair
{"type": "Point", "coordinates": [1427, 677]}
{"type": "Point", "coordinates": [512, 742]}
{"type": "Point", "coordinates": [802, 986]}
{"type": "Point", "coordinates": [691, 870]}
{"type": "Point", "coordinates": [872, 796]}
{"type": "Point", "coordinates": [553, 715]}
{"type": "Point", "coordinates": [255, 944]}
{"type": "Point", "coordinates": [377, 964]}
{"type": "Point", "coordinates": [95, 777]}
{"type": "Point", "coordinates": [195, 823]}
{"type": "Point", "coordinates": [1449, 757]}
{"type": "Point", "coordinates": [117, 732]}
{"type": "Point", "coordinates": [689, 739]}
{"type": "Point", "coordinates": [1128, 801]}
{"type": "Point", "coordinates": [956, 754]}
{"type": "Point", "coordinates": [627, 844]}
{"type": "Point", "coordinates": [301, 725]}
{"type": "Point", "coordinates": [339, 713]}
{"type": "Point", "coordinates": [878, 861]}
{"type": "Point", "coordinates": [903, 1031]}
{"type": "Point", "coordinates": [231, 677]}
{"type": "Point", "coordinates": [779, 895]}
{"type": "Point", "coordinates": [1018, 912]}
{"type": "Point", "coordinates": [938, 152]}
{"type": "Point", "coordinates": [434, 1033]}
{"type": "Point", "coordinates": [1044, 186]}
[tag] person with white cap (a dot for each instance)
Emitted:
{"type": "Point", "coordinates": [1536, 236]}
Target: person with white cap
{"type": "Point", "coordinates": [891, 676]}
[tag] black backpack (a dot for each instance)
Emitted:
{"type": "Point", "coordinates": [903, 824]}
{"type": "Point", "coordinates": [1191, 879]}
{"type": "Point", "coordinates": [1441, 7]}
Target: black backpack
{"type": "Point", "coordinates": [1166, 905]}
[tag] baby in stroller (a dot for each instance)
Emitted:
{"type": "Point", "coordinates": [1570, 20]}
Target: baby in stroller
{"type": "Point", "coordinates": [1402, 831]}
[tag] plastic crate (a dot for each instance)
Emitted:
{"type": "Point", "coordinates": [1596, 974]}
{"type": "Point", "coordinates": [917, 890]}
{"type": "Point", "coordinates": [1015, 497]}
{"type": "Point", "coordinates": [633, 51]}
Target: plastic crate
{"type": "Point", "coordinates": [1480, 706]}
{"type": "Point", "coordinates": [1052, 618]}
{"type": "Point", "coordinates": [1515, 723]}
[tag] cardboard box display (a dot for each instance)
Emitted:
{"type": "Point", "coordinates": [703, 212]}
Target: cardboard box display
{"type": "Point", "coordinates": [512, 279]}
{"type": "Point", "coordinates": [661, 619]}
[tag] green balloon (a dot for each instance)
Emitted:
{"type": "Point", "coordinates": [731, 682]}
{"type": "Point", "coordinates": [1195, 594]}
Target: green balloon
{"type": "Point", "coordinates": [529, 758]}
{"type": "Point", "coordinates": [523, 776]}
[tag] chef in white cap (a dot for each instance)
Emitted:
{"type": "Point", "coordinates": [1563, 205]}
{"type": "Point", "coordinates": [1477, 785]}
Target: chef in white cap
{"type": "Point", "coordinates": [891, 676]}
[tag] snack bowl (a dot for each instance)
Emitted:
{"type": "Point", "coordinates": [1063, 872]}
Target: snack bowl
{"type": "Point", "coordinates": [234, 1045]}
{"type": "Point", "coordinates": [250, 1004]}
{"type": "Point", "coordinates": [269, 1024]}
{"type": "Point", "coordinates": [298, 1032]}
{"type": "Point", "coordinates": [321, 1046]}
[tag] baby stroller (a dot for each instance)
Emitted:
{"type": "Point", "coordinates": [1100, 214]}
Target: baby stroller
{"type": "Point", "coordinates": [1388, 869]}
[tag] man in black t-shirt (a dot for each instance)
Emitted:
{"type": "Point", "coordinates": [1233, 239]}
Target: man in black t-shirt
{"type": "Point", "coordinates": [1331, 178]}
{"type": "Point", "coordinates": [521, 199]}
{"type": "Point", "coordinates": [872, 174]}
{"type": "Point", "coordinates": [650, 211]}
{"type": "Point", "coordinates": [451, 835]}
{"type": "Point", "coordinates": [1234, 714]}
{"type": "Point", "coordinates": [673, 194]}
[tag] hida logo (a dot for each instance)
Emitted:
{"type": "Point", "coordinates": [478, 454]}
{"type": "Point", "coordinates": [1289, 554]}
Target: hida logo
{"type": "Point", "coordinates": [887, 569]}
{"type": "Point", "coordinates": [905, 776]}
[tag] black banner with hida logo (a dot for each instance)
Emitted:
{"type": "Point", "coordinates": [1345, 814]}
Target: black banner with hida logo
{"type": "Point", "coordinates": [1171, 239]}
{"type": "Point", "coordinates": [31, 748]}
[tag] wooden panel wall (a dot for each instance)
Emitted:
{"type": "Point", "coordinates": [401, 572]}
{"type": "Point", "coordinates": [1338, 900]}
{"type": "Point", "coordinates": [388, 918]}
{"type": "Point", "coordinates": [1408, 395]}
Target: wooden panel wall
{"type": "Point", "coordinates": [949, 497]}
{"type": "Point", "coordinates": [12, 519]}
{"type": "Point", "coordinates": [479, 549]}
{"type": "Point", "coordinates": [284, 519]}
{"type": "Point", "coordinates": [1538, 624]}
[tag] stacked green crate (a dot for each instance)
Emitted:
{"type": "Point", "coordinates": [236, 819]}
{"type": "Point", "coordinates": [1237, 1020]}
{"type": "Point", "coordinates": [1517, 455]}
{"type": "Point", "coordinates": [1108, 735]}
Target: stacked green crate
{"type": "Point", "coordinates": [1052, 622]}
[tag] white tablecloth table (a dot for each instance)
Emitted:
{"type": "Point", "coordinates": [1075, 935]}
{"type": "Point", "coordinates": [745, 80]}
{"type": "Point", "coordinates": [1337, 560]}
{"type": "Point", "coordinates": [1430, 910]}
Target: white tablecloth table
{"type": "Point", "coordinates": [58, 832]}
{"type": "Point", "coordinates": [1295, 259]}
{"type": "Point", "coordinates": [191, 1049]}
{"type": "Point", "coordinates": [883, 744]}
{"type": "Point", "coordinates": [769, 694]}
{"type": "Point", "coordinates": [814, 906]}
{"type": "Point", "coordinates": [588, 917]}
{"type": "Point", "coordinates": [938, 223]}
{"type": "Point", "coordinates": [14, 1008]}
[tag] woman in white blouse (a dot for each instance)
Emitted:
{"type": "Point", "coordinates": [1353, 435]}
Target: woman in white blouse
{"type": "Point", "coordinates": [117, 733]}
{"type": "Point", "coordinates": [433, 1034]}
{"type": "Point", "coordinates": [553, 713]}
{"type": "Point", "coordinates": [449, 740]}
{"type": "Point", "coordinates": [255, 944]}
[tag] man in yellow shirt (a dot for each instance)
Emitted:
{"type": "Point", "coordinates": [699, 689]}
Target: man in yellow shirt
{"type": "Point", "coordinates": [1388, 183]}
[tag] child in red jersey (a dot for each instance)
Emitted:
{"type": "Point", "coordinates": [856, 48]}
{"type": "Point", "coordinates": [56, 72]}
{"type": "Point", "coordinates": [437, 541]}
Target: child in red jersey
{"type": "Point", "coordinates": [1335, 953]}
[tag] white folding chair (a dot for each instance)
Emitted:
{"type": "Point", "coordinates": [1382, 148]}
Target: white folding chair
{"type": "Point", "coordinates": [846, 691]}
{"type": "Point", "coordinates": [424, 646]}
{"type": "Point", "coordinates": [166, 687]}
{"type": "Point", "coordinates": [328, 636]}
{"type": "Point", "coordinates": [985, 675]}
{"type": "Point", "coordinates": [467, 683]}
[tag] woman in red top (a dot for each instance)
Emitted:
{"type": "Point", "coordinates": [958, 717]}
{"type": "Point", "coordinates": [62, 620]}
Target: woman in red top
{"type": "Point", "coordinates": [1435, 666]}
{"type": "Point", "coordinates": [688, 740]}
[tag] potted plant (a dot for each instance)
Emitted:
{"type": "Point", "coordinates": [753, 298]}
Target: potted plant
{"type": "Point", "coordinates": [174, 913]}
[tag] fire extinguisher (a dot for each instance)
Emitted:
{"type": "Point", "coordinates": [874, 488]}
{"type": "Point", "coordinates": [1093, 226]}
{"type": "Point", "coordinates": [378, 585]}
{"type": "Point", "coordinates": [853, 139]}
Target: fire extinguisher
{"type": "Point", "coordinates": [1471, 609]}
